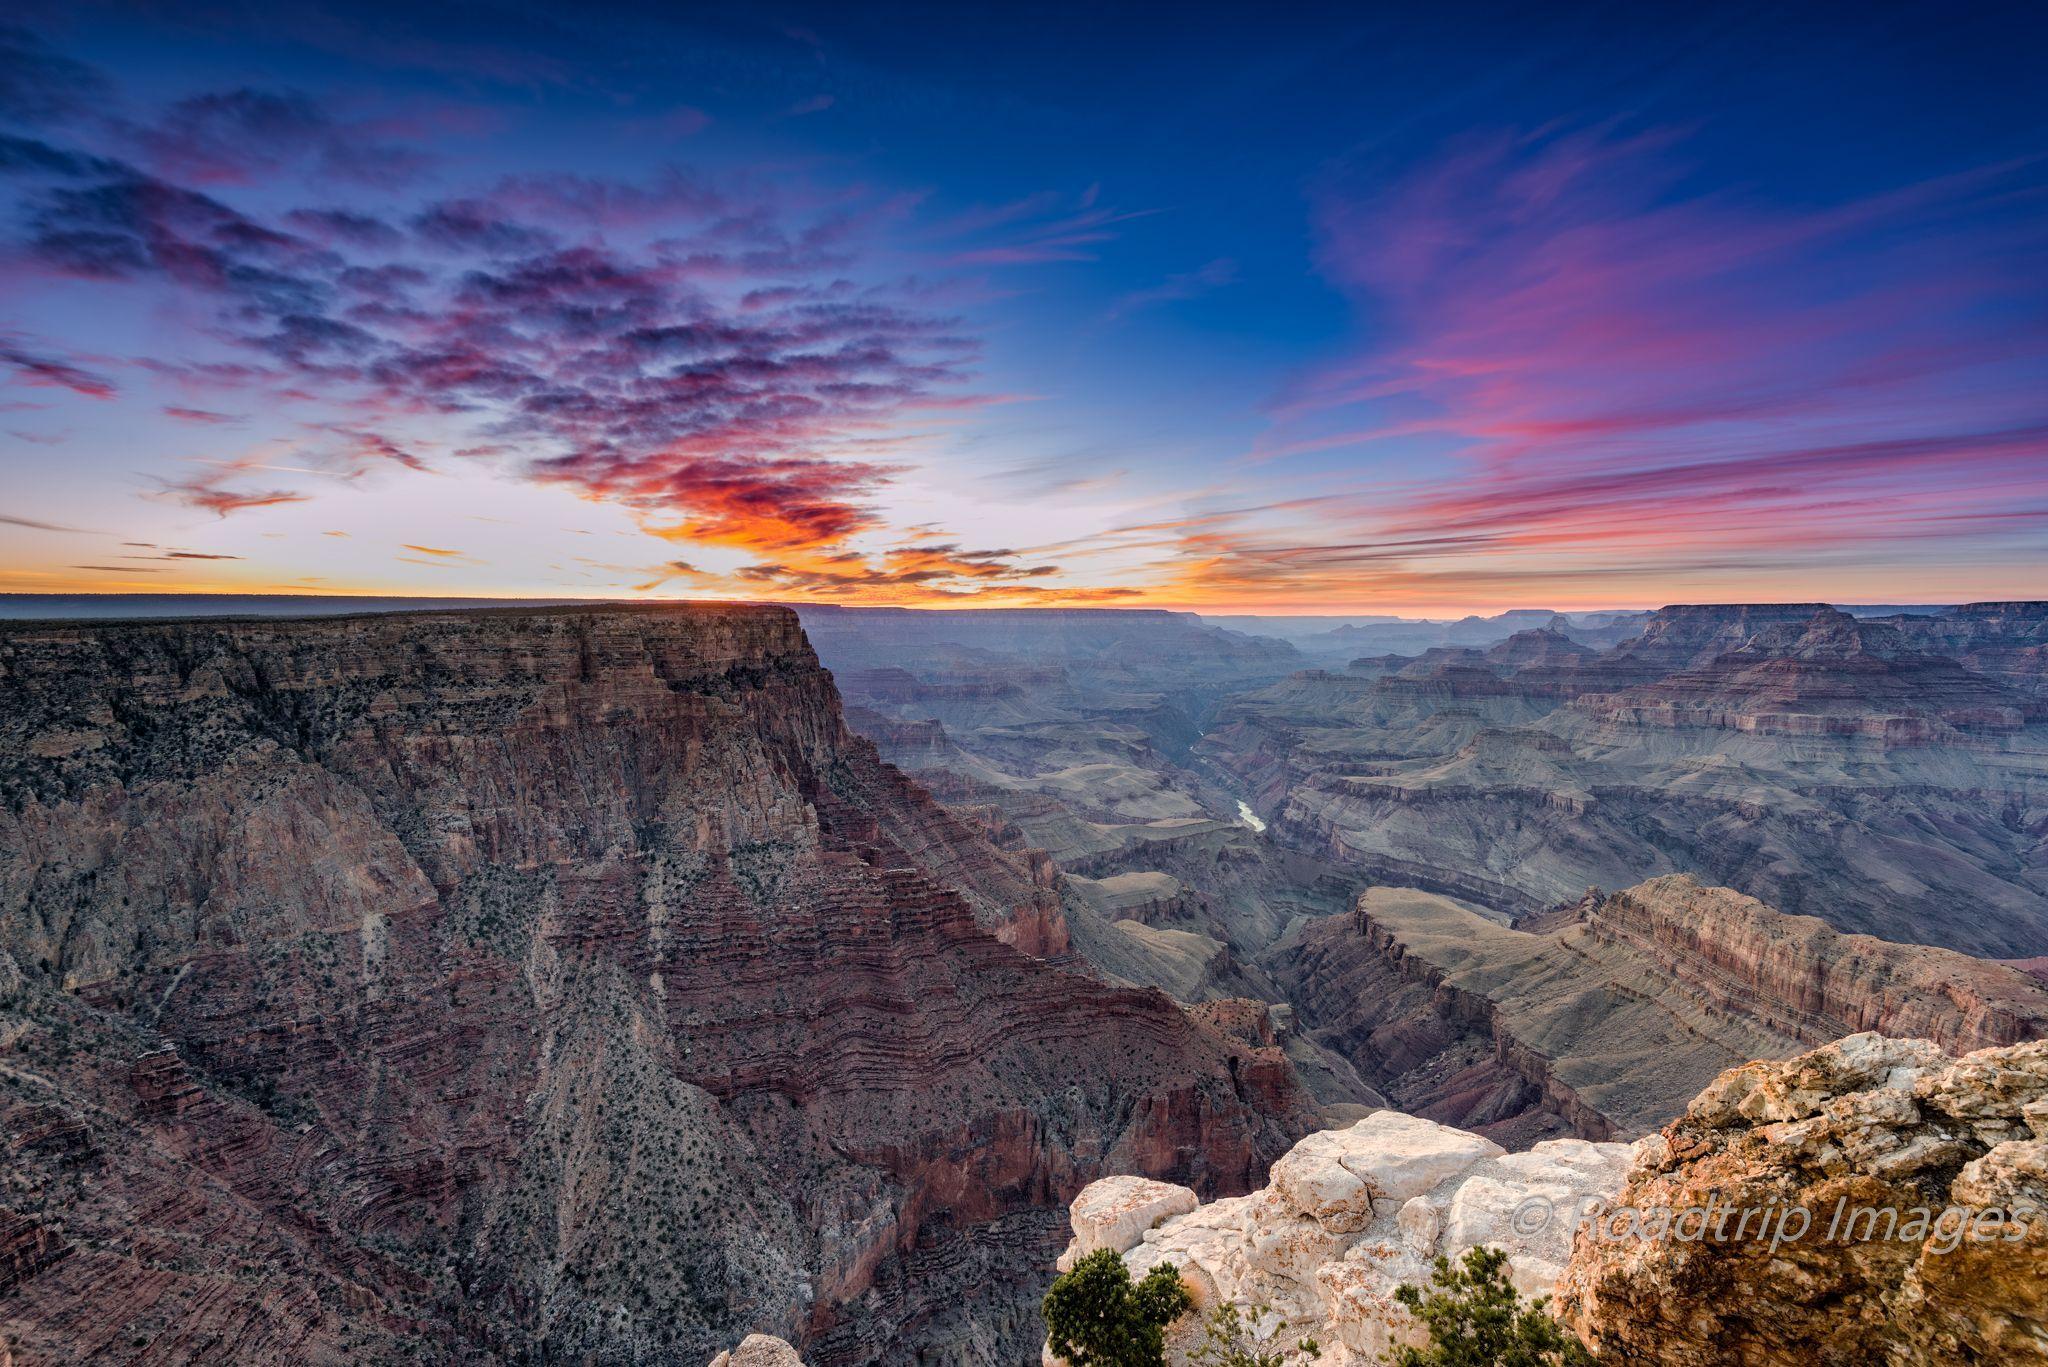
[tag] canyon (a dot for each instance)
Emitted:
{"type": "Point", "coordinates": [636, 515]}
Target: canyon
{"type": "Point", "coordinates": [562, 982]}
{"type": "Point", "coordinates": [621, 982]}
{"type": "Point", "coordinates": [1826, 764]}
{"type": "Point", "coordinates": [1422, 925]}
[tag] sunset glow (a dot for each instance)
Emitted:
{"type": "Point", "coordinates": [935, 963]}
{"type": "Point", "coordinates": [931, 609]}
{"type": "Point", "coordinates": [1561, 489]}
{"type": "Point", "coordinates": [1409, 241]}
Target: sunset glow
{"type": "Point", "coordinates": [868, 309]}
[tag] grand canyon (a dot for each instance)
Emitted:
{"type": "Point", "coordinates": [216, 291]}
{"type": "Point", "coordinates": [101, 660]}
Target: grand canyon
{"type": "Point", "coordinates": [612, 983]}
{"type": "Point", "coordinates": [1064, 685]}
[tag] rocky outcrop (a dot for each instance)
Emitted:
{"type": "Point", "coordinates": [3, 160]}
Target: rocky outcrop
{"type": "Point", "coordinates": [1349, 1216]}
{"type": "Point", "coordinates": [1116, 1212]}
{"type": "Point", "coordinates": [1874, 1201]}
{"type": "Point", "coordinates": [552, 983]}
{"type": "Point", "coordinates": [759, 1350]}
{"type": "Point", "coordinates": [1607, 1017]}
{"type": "Point", "coordinates": [1799, 977]}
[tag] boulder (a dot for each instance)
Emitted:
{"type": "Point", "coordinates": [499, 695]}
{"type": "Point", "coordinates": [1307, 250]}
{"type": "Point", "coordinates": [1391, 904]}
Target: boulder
{"type": "Point", "coordinates": [759, 1350]}
{"type": "Point", "coordinates": [1352, 1214]}
{"type": "Point", "coordinates": [1115, 1213]}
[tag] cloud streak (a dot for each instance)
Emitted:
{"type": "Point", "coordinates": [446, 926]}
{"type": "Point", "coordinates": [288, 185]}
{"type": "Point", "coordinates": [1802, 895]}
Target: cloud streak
{"type": "Point", "coordinates": [1607, 370]}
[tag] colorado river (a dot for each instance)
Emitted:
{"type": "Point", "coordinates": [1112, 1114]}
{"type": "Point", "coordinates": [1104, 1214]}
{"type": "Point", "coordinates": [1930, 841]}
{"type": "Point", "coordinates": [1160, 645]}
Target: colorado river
{"type": "Point", "coordinates": [1248, 816]}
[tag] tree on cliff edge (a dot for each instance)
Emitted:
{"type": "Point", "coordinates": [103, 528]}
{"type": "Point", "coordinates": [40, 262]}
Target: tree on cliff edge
{"type": "Point", "coordinates": [1096, 1317]}
{"type": "Point", "coordinates": [1475, 1319]}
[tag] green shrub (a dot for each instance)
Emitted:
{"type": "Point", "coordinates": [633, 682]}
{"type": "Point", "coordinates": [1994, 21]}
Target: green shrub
{"type": "Point", "coordinates": [1096, 1317]}
{"type": "Point", "coordinates": [1475, 1319]}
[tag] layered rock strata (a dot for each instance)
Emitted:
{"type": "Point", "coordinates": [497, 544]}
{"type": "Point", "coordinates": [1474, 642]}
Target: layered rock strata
{"type": "Point", "coordinates": [1799, 977]}
{"type": "Point", "coordinates": [560, 983]}
{"type": "Point", "coordinates": [1885, 776]}
{"type": "Point", "coordinates": [1606, 1018]}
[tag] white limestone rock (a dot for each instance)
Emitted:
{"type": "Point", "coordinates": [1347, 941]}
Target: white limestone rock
{"type": "Point", "coordinates": [1335, 1177]}
{"type": "Point", "coordinates": [1117, 1212]}
{"type": "Point", "coordinates": [1352, 1214]}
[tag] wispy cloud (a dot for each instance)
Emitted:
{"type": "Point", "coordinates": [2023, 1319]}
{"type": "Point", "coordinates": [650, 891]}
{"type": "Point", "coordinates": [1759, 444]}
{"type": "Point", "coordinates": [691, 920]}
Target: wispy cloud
{"type": "Point", "coordinates": [1187, 285]}
{"type": "Point", "coordinates": [34, 369]}
{"type": "Point", "coordinates": [35, 525]}
{"type": "Point", "coordinates": [1600, 365]}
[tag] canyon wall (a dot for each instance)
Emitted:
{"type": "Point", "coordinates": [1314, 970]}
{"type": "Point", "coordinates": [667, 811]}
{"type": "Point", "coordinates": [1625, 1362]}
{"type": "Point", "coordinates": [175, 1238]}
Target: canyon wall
{"type": "Point", "coordinates": [1886, 776]}
{"type": "Point", "coordinates": [1604, 1019]}
{"type": "Point", "coordinates": [1798, 976]}
{"type": "Point", "coordinates": [568, 983]}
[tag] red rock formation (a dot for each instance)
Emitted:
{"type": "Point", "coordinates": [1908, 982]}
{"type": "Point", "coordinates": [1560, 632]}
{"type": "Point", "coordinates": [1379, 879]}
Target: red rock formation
{"type": "Point", "coordinates": [1801, 977]}
{"type": "Point", "coordinates": [557, 982]}
{"type": "Point", "coordinates": [1609, 1015]}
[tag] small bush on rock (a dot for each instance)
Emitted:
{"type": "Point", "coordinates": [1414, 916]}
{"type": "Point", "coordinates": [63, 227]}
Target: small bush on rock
{"type": "Point", "coordinates": [1475, 1319]}
{"type": "Point", "coordinates": [1096, 1317]}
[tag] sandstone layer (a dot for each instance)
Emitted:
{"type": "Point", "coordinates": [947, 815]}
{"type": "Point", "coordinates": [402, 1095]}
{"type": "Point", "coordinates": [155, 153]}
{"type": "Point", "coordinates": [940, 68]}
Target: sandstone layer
{"type": "Point", "coordinates": [1604, 1019]}
{"type": "Point", "coordinates": [553, 983]}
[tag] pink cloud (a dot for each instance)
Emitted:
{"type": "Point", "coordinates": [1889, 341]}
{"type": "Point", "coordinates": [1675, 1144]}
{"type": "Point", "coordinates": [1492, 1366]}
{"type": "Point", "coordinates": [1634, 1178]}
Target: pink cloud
{"type": "Point", "coordinates": [1610, 360]}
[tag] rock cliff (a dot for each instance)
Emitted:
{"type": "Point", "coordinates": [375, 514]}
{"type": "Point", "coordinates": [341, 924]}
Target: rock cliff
{"type": "Point", "coordinates": [1607, 1017]}
{"type": "Point", "coordinates": [1796, 975]}
{"type": "Point", "coordinates": [1921, 1183]}
{"type": "Point", "coordinates": [562, 983]}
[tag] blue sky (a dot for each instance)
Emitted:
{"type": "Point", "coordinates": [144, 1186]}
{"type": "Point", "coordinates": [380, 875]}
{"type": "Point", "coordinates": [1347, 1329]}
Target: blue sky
{"type": "Point", "coordinates": [1346, 309]}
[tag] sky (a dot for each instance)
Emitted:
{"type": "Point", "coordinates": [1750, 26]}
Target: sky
{"type": "Point", "coordinates": [1357, 309]}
